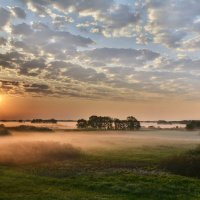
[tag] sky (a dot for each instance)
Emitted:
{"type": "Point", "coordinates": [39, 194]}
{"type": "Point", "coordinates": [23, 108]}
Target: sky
{"type": "Point", "coordinates": [71, 59]}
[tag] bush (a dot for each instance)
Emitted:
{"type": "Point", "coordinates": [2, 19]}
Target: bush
{"type": "Point", "coordinates": [187, 164]}
{"type": "Point", "coordinates": [31, 128]}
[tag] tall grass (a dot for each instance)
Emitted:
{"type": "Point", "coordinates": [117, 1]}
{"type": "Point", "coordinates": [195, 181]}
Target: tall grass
{"type": "Point", "coordinates": [187, 164]}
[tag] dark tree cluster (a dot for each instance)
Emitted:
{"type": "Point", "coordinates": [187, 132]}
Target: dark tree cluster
{"type": "Point", "coordinates": [48, 121]}
{"type": "Point", "coordinates": [108, 123]}
{"type": "Point", "coordinates": [131, 123]}
{"type": "Point", "coordinates": [30, 129]}
{"type": "Point", "coordinates": [194, 124]}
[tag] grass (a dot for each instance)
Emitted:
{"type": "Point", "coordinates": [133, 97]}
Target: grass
{"type": "Point", "coordinates": [123, 174]}
{"type": "Point", "coordinates": [187, 164]}
{"type": "Point", "coordinates": [115, 185]}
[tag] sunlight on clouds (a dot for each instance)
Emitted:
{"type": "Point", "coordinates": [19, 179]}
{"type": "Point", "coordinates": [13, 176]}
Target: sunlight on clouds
{"type": "Point", "coordinates": [101, 50]}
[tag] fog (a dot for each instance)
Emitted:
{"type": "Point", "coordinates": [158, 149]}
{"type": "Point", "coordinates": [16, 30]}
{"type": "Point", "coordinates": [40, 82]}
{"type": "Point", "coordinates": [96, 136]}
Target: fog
{"type": "Point", "coordinates": [36, 152]}
{"type": "Point", "coordinates": [29, 148]}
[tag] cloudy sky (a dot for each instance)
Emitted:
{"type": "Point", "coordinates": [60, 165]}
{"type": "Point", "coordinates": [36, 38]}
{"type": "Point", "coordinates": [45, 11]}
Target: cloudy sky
{"type": "Point", "coordinates": [71, 59]}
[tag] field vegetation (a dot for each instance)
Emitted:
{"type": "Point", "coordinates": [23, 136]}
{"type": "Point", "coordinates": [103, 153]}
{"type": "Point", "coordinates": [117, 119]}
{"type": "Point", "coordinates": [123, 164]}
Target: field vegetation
{"type": "Point", "coordinates": [96, 165]}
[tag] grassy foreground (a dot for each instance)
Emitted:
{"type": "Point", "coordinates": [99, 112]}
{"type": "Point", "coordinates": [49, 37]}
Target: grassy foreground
{"type": "Point", "coordinates": [115, 175]}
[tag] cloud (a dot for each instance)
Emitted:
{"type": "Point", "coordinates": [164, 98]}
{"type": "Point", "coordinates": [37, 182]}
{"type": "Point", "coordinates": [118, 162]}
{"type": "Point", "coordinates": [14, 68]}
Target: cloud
{"type": "Point", "coordinates": [10, 87]}
{"type": "Point", "coordinates": [130, 57]}
{"type": "Point", "coordinates": [38, 89]}
{"type": "Point", "coordinates": [121, 21]}
{"type": "Point", "coordinates": [37, 6]}
{"type": "Point", "coordinates": [8, 83]}
{"type": "Point", "coordinates": [32, 67]}
{"type": "Point", "coordinates": [19, 12]}
{"type": "Point", "coordinates": [82, 6]}
{"type": "Point", "coordinates": [86, 75]}
{"type": "Point", "coordinates": [39, 37]}
{"type": "Point", "coordinates": [191, 44]}
{"type": "Point", "coordinates": [114, 20]}
{"type": "Point", "coordinates": [61, 21]}
{"type": "Point", "coordinates": [10, 59]}
{"type": "Point", "coordinates": [4, 17]}
{"type": "Point", "coordinates": [21, 87]}
{"type": "Point", "coordinates": [22, 29]}
{"type": "Point", "coordinates": [3, 41]}
{"type": "Point", "coordinates": [6, 64]}
{"type": "Point", "coordinates": [68, 47]}
{"type": "Point", "coordinates": [172, 22]}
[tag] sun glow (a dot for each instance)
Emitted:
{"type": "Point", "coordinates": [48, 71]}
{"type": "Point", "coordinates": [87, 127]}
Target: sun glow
{"type": "Point", "coordinates": [1, 99]}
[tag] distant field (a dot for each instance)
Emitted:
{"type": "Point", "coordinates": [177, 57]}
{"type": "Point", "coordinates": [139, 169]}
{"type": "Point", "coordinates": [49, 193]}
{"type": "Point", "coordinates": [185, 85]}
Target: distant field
{"type": "Point", "coordinates": [96, 165]}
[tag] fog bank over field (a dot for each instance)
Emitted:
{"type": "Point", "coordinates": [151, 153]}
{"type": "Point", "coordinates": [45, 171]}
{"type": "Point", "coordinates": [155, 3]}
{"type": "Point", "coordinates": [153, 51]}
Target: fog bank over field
{"type": "Point", "coordinates": [19, 153]}
{"type": "Point", "coordinates": [27, 148]}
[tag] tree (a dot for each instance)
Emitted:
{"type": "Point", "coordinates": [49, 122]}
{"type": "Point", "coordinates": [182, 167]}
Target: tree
{"type": "Point", "coordinates": [106, 123]}
{"type": "Point", "coordinates": [99, 122]}
{"type": "Point", "coordinates": [194, 124]}
{"type": "Point", "coordinates": [116, 124]}
{"type": "Point", "coordinates": [120, 124]}
{"type": "Point", "coordinates": [82, 123]}
{"type": "Point", "coordinates": [53, 121]}
{"type": "Point", "coordinates": [132, 123]}
{"type": "Point", "coordinates": [93, 121]}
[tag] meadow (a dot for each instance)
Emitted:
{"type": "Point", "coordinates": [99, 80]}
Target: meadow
{"type": "Point", "coordinates": [114, 165]}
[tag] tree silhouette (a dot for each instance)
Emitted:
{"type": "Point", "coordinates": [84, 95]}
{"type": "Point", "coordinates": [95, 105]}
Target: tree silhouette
{"type": "Point", "coordinates": [106, 123]}
{"type": "Point", "coordinates": [93, 122]}
{"type": "Point", "coordinates": [82, 123]}
{"type": "Point", "coordinates": [132, 123]}
{"type": "Point", "coordinates": [193, 124]}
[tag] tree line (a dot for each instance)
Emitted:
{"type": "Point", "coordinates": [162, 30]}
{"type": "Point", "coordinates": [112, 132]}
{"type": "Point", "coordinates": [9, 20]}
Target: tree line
{"type": "Point", "coordinates": [47, 121]}
{"type": "Point", "coordinates": [193, 124]}
{"type": "Point", "coordinates": [108, 123]}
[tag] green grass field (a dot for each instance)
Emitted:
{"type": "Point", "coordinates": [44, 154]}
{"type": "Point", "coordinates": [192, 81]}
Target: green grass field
{"type": "Point", "coordinates": [116, 174]}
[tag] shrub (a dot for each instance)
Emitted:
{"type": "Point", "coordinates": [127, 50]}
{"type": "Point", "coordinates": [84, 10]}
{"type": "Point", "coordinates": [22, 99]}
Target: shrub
{"type": "Point", "coordinates": [31, 128]}
{"type": "Point", "coordinates": [187, 164]}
